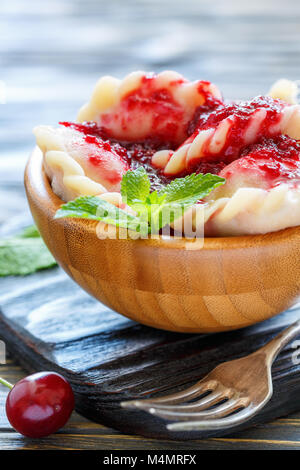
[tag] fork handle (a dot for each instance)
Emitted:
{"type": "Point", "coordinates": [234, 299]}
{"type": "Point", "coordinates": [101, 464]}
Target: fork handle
{"type": "Point", "coordinates": [273, 347]}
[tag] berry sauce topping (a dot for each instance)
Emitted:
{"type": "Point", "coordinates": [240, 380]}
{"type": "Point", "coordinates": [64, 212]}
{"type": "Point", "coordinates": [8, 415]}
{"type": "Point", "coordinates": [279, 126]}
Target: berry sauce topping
{"type": "Point", "coordinates": [156, 105]}
{"type": "Point", "coordinates": [133, 153]}
{"type": "Point", "coordinates": [240, 111]}
{"type": "Point", "coordinates": [206, 167]}
{"type": "Point", "coordinates": [277, 159]}
{"type": "Point", "coordinates": [240, 115]}
{"type": "Point", "coordinates": [202, 112]}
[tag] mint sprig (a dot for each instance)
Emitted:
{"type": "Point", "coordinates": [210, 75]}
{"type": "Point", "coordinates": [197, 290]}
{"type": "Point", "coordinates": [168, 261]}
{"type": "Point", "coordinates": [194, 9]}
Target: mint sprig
{"type": "Point", "coordinates": [188, 190]}
{"type": "Point", "coordinates": [95, 208]}
{"type": "Point", "coordinates": [150, 207]}
{"type": "Point", "coordinates": [24, 254]}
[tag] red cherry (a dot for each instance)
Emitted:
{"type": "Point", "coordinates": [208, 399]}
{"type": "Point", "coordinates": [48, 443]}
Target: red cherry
{"type": "Point", "coordinates": [40, 404]}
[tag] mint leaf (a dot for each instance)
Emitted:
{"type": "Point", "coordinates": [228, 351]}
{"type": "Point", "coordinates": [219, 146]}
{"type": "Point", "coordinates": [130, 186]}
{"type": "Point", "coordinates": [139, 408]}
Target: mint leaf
{"type": "Point", "coordinates": [135, 191]}
{"type": "Point", "coordinates": [24, 254]}
{"type": "Point", "coordinates": [153, 210]}
{"type": "Point", "coordinates": [176, 197]}
{"type": "Point", "coordinates": [154, 205]}
{"type": "Point", "coordinates": [84, 207]}
{"type": "Point", "coordinates": [135, 186]}
{"type": "Point", "coordinates": [95, 208]}
{"type": "Point", "coordinates": [155, 198]}
{"type": "Point", "coordinates": [192, 188]}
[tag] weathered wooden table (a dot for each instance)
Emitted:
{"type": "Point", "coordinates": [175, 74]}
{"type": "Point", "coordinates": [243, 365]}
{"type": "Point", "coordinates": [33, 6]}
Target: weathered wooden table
{"type": "Point", "coordinates": [51, 53]}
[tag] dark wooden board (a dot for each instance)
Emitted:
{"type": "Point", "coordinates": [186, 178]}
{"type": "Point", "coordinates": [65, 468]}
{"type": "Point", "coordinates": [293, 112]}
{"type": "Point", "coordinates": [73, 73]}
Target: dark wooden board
{"type": "Point", "coordinates": [49, 323]}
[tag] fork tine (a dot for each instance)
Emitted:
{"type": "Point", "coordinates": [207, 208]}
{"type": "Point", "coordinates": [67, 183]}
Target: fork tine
{"type": "Point", "coordinates": [215, 424]}
{"type": "Point", "coordinates": [202, 404]}
{"type": "Point", "coordinates": [222, 410]}
{"type": "Point", "coordinates": [214, 397]}
{"type": "Point", "coordinates": [187, 394]}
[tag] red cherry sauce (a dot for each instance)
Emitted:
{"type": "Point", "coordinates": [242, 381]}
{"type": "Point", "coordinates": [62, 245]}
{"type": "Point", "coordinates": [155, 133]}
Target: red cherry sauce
{"type": "Point", "coordinates": [133, 154]}
{"type": "Point", "coordinates": [157, 105]}
{"type": "Point", "coordinates": [277, 159]}
{"type": "Point", "coordinates": [281, 153]}
{"type": "Point", "coordinates": [167, 117]}
{"type": "Point", "coordinates": [241, 113]}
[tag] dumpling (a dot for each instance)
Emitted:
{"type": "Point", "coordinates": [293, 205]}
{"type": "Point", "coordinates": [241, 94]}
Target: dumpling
{"type": "Point", "coordinates": [78, 162]}
{"type": "Point", "coordinates": [174, 127]}
{"type": "Point", "coordinates": [150, 110]}
{"type": "Point", "coordinates": [262, 190]}
{"type": "Point", "coordinates": [225, 131]}
{"type": "Point", "coordinates": [146, 105]}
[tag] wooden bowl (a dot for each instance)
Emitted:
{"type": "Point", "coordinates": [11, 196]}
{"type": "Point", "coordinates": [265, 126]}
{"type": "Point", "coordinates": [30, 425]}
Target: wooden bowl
{"type": "Point", "coordinates": [228, 283]}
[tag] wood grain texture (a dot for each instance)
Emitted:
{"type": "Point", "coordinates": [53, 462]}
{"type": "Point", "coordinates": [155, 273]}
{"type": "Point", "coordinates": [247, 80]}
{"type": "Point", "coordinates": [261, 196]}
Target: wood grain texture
{"type": "Point", "coordinates": [82, 434]}
{"type": "Point", "coordinates": [245, 384]}
{"type": "Point", "coordinates": [227, 283]}
{"type": "Point", "coordinates": [49, 323]}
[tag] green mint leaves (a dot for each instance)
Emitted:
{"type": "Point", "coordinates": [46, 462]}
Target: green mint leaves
{"type": "Point", "coordinates": [24, 254]}
{"type": "Point", "coordinates": [192, 188]}
{"type": "Point", "coordinates": [94, 208]}
{"type": "Point", "coordinates": [150, 207]}
{"type": "Point", "coordinates": [135, 186]}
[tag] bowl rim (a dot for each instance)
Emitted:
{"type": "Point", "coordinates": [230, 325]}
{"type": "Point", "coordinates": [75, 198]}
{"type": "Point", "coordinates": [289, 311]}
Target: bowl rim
{"type": "Point", "coordinates": [37, 184]}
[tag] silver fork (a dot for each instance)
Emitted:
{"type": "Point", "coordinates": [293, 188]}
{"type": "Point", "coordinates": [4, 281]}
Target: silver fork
{"type": "Point", "coordinates": [229, 395]}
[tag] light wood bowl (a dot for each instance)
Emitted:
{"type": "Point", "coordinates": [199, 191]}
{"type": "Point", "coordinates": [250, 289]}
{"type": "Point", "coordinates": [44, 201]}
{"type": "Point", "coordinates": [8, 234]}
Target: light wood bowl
{"type": "Point", "coordinates": [229, 283]}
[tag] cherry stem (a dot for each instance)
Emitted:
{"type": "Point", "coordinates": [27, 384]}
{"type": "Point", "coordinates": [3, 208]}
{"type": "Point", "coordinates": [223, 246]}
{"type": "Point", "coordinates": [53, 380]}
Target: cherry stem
{"type": "Point", "coordinates": [4, 382]}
